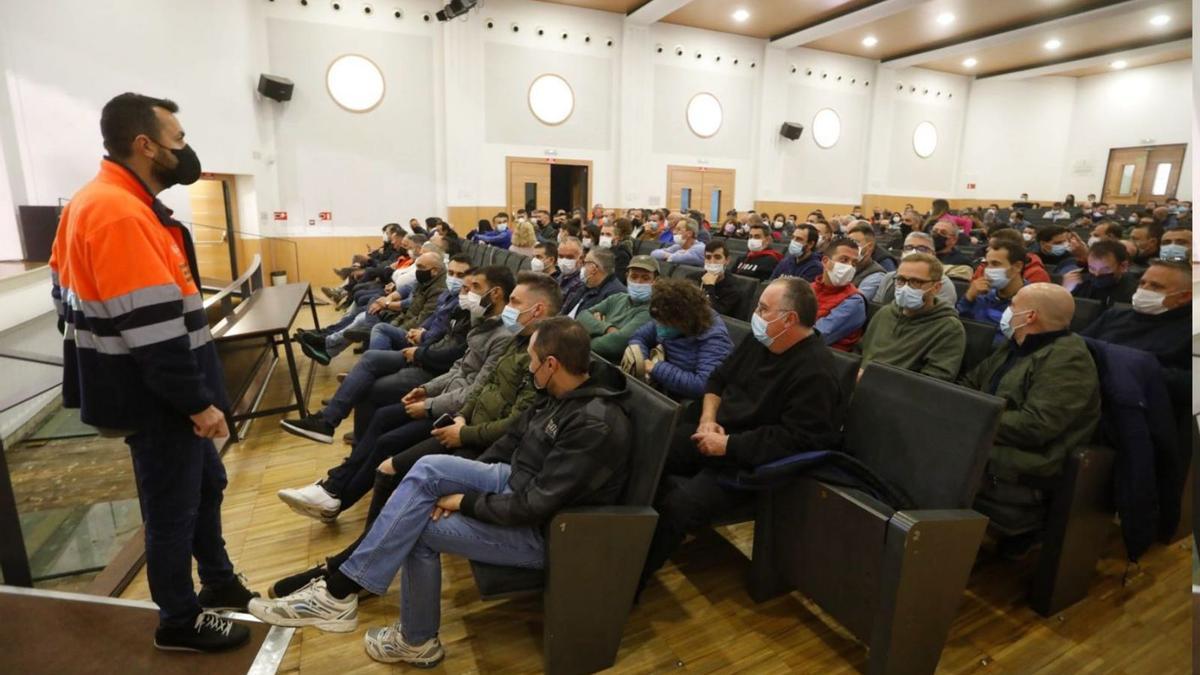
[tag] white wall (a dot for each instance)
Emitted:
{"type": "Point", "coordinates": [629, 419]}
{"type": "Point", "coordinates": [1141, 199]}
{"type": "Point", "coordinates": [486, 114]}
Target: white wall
{"type": "Point", "coordinates": [1141, 106]}
{"type": "Point", "coordinates": [1016, 138]}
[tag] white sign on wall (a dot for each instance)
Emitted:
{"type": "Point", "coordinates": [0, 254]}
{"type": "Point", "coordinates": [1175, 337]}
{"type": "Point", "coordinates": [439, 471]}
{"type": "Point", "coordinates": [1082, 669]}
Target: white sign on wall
{"type": "Point", "coordinates": [1082, 167]}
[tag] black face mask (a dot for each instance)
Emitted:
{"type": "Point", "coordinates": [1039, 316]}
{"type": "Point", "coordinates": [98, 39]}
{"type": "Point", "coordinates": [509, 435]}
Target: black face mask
{"type": "Point", "coordinates": [424, 276]}
{"type": "Point", "coordinates": [185, 172]}
{"type": "Point", "coordinates": [939, 242]}
{"type": "Point", "coordinates": [1104, 281]}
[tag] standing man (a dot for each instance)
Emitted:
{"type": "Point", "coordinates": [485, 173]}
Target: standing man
{"type": "Point", "coordinates": [139, 362]}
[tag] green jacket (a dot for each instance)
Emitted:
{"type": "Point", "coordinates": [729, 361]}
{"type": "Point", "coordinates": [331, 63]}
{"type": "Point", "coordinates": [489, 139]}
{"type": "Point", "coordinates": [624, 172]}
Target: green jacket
{"type": "Point", "coordinates": [1052, 402]}
{"type": "Point", "coordinates": [424, 302]}
{"type": "Point", "coordinates": [494, 403]}
{"type": "Point", "coordinates": [930, 343]}
{"type": "Point", "coordinates": [620, 312]}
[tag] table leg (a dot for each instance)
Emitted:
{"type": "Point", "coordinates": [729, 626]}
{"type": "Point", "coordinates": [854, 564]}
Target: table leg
{"type": "Point", "coordinates": [312, 305]}
{"type": "Point", "coordinates": [291, 359]}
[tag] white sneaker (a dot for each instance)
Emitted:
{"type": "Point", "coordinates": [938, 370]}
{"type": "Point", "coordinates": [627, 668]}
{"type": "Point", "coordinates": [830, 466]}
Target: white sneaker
{"type": "Point", "coordinates": [312, 501]}
{"type": "Point", "coordinates": [312, 605]}
{"type": "Point", "coordinates": [387, 645]}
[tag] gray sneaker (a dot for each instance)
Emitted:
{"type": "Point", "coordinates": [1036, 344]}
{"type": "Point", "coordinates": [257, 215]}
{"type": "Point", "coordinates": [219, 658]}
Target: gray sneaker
{"type": "Point", "coordinates": [312, 605]}
{"type": "Point", "coordinates": [387, 645]}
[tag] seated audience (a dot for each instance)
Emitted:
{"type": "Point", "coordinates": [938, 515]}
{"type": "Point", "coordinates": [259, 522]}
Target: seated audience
{"type": "Point", "coordinates": [545, 260]}
{"type": "Point", "coordinates": [525, 236]}
{"type": "Point", "coordinates": [804, 258]}
{"type": "Point", "coordinates": [570, 266]}
{"type": "Point", "coordinates": [1105, 230]}
{"type": "Point", "coordinates": [841, 309]}
{"type": "Point", "coordinates": [387, 336]}
{"type": "Point", "coordinates": [1176, 245]}
{"type": "Point", "coordinates": [599, 282]}
{"type": "Point", "coordinates": [1145, 238]}
{"type": "Point", "coordinates": [1033, 271]}
{"type": "Point", "coordinates": [500, 504]}
{"type": "Point", "coordinates": [760, 259]}
{"type": "Point", "coordinates": [613, 320]}
{"type": "Point", "coordinates": [868, 273]}
{"type": "Point", "coordinates": [945, 242]}
{"type": "Point", "coordinates": [1051, 390]}
{"type": "Point", "coordinates": [914, 243]}
{"type": "Point", "coordinates": [686, 249]}
{"type": "Point", "coordinates": [775, 396]}
{"type": "Point", "coordinates": [987, 298]}
{"type": "Point", "coordinates": [1057, 213]}
{"type": "Point", "coordinates": [499, 236]}
{"type": "Point", "coordinates": [917, 331]}
{"type": "Point", "coordinates": [1055, 244]}
{"type": "Point", "coordinates": [615, 237]}
{"type": "Point", "coordinates": [693, 338]}
{"type": "Point", "coordinates": [723, 295]}
{"type": "Point", "coordinates": [1108, 278]}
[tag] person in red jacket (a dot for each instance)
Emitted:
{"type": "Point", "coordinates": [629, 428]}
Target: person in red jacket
{"type": "Point", "coordinates": [1033, 271]}
{"type": "Point", "coordinates": [139, 362]}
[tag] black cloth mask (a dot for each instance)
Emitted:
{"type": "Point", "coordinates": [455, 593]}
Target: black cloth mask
{"type": "Point", "coordinates": [185, 172]}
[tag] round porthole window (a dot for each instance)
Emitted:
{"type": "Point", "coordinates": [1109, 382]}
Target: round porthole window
{"type": "Point", "coordinates": [925, 139]}
{"type": "Point", "coordinates": [355, 83]}
{"type": "Point", "coordinates": [704, 115]}
{"type": "Point", "coordinates": [551, 99]}
{"type": "Point", "coordinates": [827, 128]}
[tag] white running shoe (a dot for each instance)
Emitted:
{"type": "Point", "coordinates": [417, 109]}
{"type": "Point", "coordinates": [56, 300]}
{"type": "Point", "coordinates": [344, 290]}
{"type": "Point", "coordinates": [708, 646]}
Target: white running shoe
{"type": "Point", "coordinates": [312, 605]}
{"type": "Point", "coordinates": [312, 501]}
{"type": "Point", "coordinates": [387, 645]}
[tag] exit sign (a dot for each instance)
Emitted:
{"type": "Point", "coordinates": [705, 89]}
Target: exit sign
{"type": "Point", "coordinates": [281, 215]}
{"type": "Point", "coordinates": [325, 215]}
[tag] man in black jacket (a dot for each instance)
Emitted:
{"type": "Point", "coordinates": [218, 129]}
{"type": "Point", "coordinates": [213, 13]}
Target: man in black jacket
{"type": "Point", "coordinates": [570, 448]}
{"type": "Point", "coordinates": [723, 295]}
{"type": "Point", "coordinates": [775, 396]}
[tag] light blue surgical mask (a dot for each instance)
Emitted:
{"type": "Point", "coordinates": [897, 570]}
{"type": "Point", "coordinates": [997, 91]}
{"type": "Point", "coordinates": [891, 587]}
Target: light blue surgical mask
{"type": "Point", "coordinates": [639, 292]}
{"type": "Point", "coordinates": [795, 248]}
{"type": "Point", "coordinates": [1006, 326]}
{"type": "Point", "coordinates": [908, 297]}
{"type": "Point", "coordinates": [510, 317]}
{"type": "Point", "coordinates": [1059, 249]}
{"type": "Point", "coordinates": [997, 277]}
{"type": "Point", "coordinates": [758, 326]}
{"type": "Point", "coordinates": [453, 284]}
{"type": "Point", "coordinates": [1174, 252]}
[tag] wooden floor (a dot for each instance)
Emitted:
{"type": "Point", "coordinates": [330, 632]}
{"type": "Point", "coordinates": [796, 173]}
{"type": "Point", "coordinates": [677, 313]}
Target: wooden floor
{"type": "Point", "coordinates": [698, 617]}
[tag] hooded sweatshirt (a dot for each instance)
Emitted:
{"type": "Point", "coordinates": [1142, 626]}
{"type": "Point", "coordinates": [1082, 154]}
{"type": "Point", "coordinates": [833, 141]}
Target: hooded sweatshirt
{"type": "Point", "coordinates": [564, 451]}
{"type": "Point", "coordinates": [931, 342]}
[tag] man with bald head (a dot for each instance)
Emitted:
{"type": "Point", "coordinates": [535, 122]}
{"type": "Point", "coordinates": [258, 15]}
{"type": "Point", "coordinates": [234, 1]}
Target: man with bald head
{"type": "Point", "coordinates": [1051, 390]}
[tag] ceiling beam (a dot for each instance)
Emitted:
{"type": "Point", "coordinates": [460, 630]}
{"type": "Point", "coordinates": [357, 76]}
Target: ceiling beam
{"type": "Point", "coordinates": [1089, 61]}
{"type": "Point", "coordinates": [848, 21]}
{"type": "Point", "coordinates": [654, 10]}
{"type": "Point", "coordinates": [1015, 34]}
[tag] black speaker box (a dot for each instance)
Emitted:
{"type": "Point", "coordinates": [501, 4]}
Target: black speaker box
{"type": "Point", "coordinates": [275, 87]}
{"type": "Point", "coordinates": [791, 131]}
{"type": "Point", "coordinates": [38, 225]}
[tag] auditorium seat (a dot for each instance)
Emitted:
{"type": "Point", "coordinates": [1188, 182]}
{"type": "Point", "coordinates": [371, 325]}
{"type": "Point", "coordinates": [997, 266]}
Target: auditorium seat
{"type": "Point", "coordinates": [746, 290]}
{"type": "Point", "coordinates": [873, 309]}
{"type": "Point", "coordinates": [980, 343]}
{"type": "Point", "coordinates": [594, 554]}
{"type": "Point", "coordinates": [735, 246]}
{"type": "Point", "coordinates": [960, 286]}
{"type": "Point", "coordinates": [738, 330]}
{"type": "Point", "coordinates": [689, 272]}
{"type": "Point", "coordinates": [893, 578]}
{"type": "Point", "coordinates": [645, 246]}
{"type": "Point", "coordinates": [1086, 311]}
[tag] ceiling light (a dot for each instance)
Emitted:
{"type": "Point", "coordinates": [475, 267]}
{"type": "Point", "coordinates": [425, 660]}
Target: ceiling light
{"type": "Point", "coordinates": [741, 15]}
{"type": "Point", "coordinates": [1053, 44]}
{"type": "Point", "coordinates": [945, 18]}
{"type": "Point", "coordinates": [1160, 20]}
{"type": "Point", "coordinates": [870, 41]}
{"type": "Point", "coordinates": [1118, 64]}
{"type": "Point", "coordinates": [970, 62]}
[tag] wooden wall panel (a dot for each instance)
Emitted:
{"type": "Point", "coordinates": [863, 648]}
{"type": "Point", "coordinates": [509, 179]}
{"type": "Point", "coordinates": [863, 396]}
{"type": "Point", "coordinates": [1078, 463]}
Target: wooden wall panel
{"type": "Point", "coordinates": [464, 218]}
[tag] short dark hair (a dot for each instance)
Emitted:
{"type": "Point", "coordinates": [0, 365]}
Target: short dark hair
{"type": "Point", "coordinates": [812, 235]}
{"type": "Point", "coordinates": [127, 116]}
{"type": "Point", "coordinates": [864, 228]}
{"type": "Point", "coordinates": [461, 258]}
{"type": "Point", "coordinates": [832, 247]}
{"type": "Point", "coordinates": [798, 296]}
{"type": "Point", "coordinates": [545, 286]}
{"type": "Point", "coordinates": [1178, 265]}
{"type": "Point", "coordinates": [1050, 231]}
{"type": "Point", "coordinates": [766, 231]}
{"type": "Point", "coordinates": [1012, 250]}
{"type": "Point", "coordinates": [498, 275]}
{"type": "Point", "coordinates": [680, 304]}
{"type": "Point", "coordinates": [1107, 247]}
{"type": "Point", "coordinates": [549, 248]}
{"type": "Point", "coordinates": [623, 227]}
{"type": "Point", "coordinates": [566, 340]}
{"type": "Point", "coordinates": [716, 245]}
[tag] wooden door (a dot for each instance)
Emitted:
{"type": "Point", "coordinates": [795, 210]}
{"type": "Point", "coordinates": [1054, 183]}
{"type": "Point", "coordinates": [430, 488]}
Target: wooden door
{"type": "Point", "coordinates": [685, 188]}
{"type": "Point", "coordinates": [207, 200]}
{"type": "Point", "coordinates": [718, 194]}
{"type": "Point", "coordinates": [528, 185]}
{"type": "Point", "coordinates": [1161, 177]}
{"type": "Point", "coordinates": [1123, 178]}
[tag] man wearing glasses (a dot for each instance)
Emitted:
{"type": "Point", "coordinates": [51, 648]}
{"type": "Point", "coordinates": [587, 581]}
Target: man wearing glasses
{"type": "Point", "coordinates": [917, 331]}
{"type": "Point", "coordinates": [915, 242]}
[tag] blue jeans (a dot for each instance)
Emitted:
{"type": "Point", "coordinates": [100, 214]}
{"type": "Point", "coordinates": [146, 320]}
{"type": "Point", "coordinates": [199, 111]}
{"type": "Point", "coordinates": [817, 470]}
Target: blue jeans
{"type": "Point", "coordinates": [405, 536]}
{"type": "Point", "coordinates": [347, 318]}
{"type": "Point", "coordinates": [336, 342]}
{"type": "Point", "coordinates": [390, 432]}
{"type": "Point", "coordinates": [180, 481]}
{"type": "Point", "coordinates": [372, 366]}
{"type": "Point", "coordinates": [387, 336]}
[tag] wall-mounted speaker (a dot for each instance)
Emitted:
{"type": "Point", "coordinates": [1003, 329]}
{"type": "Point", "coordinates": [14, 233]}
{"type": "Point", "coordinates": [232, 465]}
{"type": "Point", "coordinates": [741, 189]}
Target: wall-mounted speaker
{"type": "Point", "coordinates": [791, 131]}
{"type": "Point", "coordinates": [275, 88]}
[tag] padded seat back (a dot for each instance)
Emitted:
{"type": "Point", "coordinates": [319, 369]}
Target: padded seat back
{"type": "Point", "coordinates": [847, 365]}
{"type": "Point", "coordinates": [738, 330]}
{"type": "Point", "coordinates": [653, 417]}
{"type": "Point", "coordinates": [735, 246]}
{"type": "Point", "coordinates": [960, 286]}
{"type": "Point", "coordinates": [745, 287]}
{"type": "Point", "coordinates": [644, 246]}
{"type": "Point", "coordinates": [689, 272]}
{"type": "Point", "coordinates": [924, 436]}
{"type": "Point", "coordinates": [1086, 311]}
{"type": "Point", "coordinates": [873, 309]}
{"type": "Point", "coordinates": [980, 337]}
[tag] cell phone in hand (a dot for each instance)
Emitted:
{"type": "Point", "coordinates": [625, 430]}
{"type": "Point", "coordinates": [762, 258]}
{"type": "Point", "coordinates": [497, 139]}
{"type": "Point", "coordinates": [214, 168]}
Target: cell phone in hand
{"type": "Point", "coordinates": [444, 421]}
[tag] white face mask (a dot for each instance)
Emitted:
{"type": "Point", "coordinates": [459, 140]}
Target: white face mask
{"type": "Point", "coordinates": [471, 303]}
{"type": "Point", "coordinates": [605, 242]}
{"type": "Point", "coordinates": [536, 265]}
{"type": "Point", "coordinates": [714, 268]}
{"type": "Point", "coordinates": [841, 274]}
{"type": "Point", "coordinates": [501, 227]}
{"type": "Point", "coordinates": [1146, 301]}
{"type": "Point", "coordinates": [754, 244]}
{"type": "Point", "coordinates": [567, 265]}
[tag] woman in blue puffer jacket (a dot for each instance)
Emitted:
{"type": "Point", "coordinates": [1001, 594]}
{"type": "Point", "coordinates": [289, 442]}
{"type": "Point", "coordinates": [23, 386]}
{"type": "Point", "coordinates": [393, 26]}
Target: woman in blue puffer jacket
{"type": "Point", "coordinates": [693, 337]}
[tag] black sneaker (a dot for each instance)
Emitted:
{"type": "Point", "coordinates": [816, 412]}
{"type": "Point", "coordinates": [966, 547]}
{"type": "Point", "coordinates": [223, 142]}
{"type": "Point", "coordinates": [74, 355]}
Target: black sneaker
{"type": "Point", "coordinates": [316, 354]}
{"type": "Point", "coordinates": [311, 338]}
{"type": "Point", "coordinates": [210, 633]}
{"type": "Point", "coordinates": [288, 585]}
{"type": "Point", "coordinates": [232, 596]}
{"type": "Point", "coordinates": [312, 427]}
